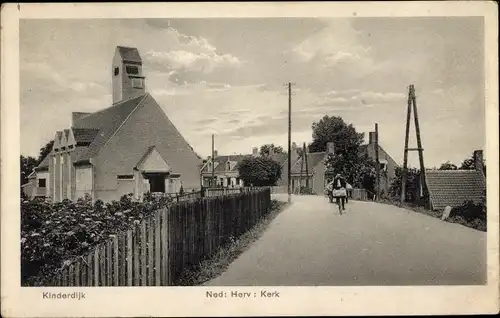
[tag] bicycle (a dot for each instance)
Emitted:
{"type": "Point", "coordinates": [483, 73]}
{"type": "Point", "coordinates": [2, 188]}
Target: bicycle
{"type": "Point", "coordinates": [339, 195]}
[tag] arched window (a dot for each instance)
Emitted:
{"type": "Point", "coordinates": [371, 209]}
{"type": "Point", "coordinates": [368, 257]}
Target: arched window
{"type": "Point", "coordinates": [228, 166]}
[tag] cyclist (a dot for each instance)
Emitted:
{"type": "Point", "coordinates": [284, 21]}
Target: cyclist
{"type": "Point", "coordinates": [339, 185]}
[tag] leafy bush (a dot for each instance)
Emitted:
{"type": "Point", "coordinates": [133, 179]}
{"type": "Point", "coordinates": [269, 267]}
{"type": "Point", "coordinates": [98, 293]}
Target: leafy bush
{"type": "Point", "coordinates": [305, 190]}
{"type": "Point", "coordinates": [52, 233]}
{"type": "Point", "coordinates": [470, 214]}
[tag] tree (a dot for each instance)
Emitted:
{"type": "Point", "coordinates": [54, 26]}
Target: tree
{"type": "Point", "coordinates": [45, 150]}
{"type": "Point", "coordinates": [27, 166]}
{"type": "Point", "coordinates": [412, 181]}
{"type": "Point", "coordinates": [448, 166]}
{"type": "Point", "coordinates": [259, 171]}
{"type": "Point", "coordinates": [346, 160]}
{"type": "Point", "coordinates": [328, 129]}
{"type": "Point", "coordinates": [467, 164]}
{"type": "Point", "coordinates": [265, 150]}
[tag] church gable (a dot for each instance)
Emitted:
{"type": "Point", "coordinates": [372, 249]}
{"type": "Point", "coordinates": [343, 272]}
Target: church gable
{"type": "Point", "coordinates": [149, 126]}
{"type": "Point", "coordinates": [152, 161]}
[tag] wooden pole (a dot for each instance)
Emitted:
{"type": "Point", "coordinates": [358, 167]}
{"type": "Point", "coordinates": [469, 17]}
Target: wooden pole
{"type": "Point", "coordinates": [213, 161]}
{"type": "Point", "coordinates": [301, 171]}
{"type": "Point", "coordinates": [419, 145]}
{"type": "Point", "coordinates": [405, 160]}
{"type": "Point", "coordinates": [377, 163]}
{"type": "Point", "coordinates": [289, 141]}
{"type": "Point", "coordinates": [307, 166]}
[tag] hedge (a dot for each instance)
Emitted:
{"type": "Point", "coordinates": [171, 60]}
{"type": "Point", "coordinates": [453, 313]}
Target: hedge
{"type": "Point", "coordinates": [52, 233]}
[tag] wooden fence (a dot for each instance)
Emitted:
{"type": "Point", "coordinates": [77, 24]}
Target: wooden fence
{"type": "Point", "coordinates": [158, 249]}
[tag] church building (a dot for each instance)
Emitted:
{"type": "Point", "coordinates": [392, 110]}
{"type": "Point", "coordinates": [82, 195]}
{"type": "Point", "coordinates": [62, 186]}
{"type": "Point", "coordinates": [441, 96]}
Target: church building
{"type": "Point", "coordinates": [130, 147]}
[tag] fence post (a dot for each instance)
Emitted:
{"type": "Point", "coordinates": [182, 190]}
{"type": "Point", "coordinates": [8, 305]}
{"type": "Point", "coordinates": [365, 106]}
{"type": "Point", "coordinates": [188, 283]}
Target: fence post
{"type": "Point", "coordinates": [116, 277]}
{"type": "Point", "coordinates": [96, 266]}
{"type": "Point", "coordinates": [143, 253]}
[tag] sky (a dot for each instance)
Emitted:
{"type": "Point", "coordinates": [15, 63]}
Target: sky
{"type": "Point", "coordinates": [228, 77]}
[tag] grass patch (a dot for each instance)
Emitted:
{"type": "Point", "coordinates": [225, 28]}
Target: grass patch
{"type": "Point", "coordinates": [220, 261]}
{"type": "Point", "coordinates": [475, 223]}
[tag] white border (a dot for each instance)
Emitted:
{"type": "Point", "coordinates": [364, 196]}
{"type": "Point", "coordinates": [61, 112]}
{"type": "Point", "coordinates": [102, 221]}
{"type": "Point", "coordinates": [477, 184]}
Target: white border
{"type": "Point", "coordinates": [190, 301]}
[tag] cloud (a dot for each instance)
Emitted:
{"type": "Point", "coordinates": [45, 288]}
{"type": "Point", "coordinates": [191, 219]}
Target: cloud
{"type": "Point", "coordinates": [336, 43]}
{"type": "Point", "coordinates": [204, 62]}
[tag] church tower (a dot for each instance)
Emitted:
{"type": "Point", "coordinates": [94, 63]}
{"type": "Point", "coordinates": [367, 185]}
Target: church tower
{"type": "Point", "coordinates": [127, 79]}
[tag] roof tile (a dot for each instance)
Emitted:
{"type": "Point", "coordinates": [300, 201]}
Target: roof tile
{"type": "Point", "coordinates": [454, 187]}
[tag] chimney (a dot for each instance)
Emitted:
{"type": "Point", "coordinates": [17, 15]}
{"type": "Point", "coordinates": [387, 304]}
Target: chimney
{"type": "Point", "coordinates": [76, 116]}
{"type": "Point", "coordinates": [255, 151]}
{"type": "Point", "coordinates": [216, 154]}
{"type": "Point", "coordinates": [478, 160]}
{"type": "Point", "coordinates": [330, 147]}
{"type": "Point", "coordinates": [127, 79]}
{"type": "Point", "coordinates": [372, 136]}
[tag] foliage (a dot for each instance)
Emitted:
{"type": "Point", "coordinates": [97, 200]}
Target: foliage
{"type": "Point", "coordinates": [265, 150]}
{"type": "Point", "coordinates": [259, 171]}
{"type": "Point", "coordinates": [412, 182]}
{"type": "Point", "coordinates": [448, 166]}
{"type": "Point", "coordinates": [306, 190]}
{"type": "Point", "coordinates": [470, 211]}
{"type": "Point", "coordinates": [52, 233]}
{"type": "Point", "coordinates": [45, 150]}
{"type": "Point", "coordinates": [334, 129]}
{"type": "Point", "coordinates": [27, 166]}
{"type": "Point", "coordinates": [358, 170]}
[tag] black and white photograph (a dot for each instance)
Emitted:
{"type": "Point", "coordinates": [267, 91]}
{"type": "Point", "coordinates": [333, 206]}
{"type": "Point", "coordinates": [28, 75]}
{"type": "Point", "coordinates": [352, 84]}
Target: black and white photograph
{"type": "Point", "coordinates": [207, 152]}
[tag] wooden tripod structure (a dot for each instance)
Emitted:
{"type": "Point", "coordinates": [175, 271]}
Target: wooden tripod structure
{"type": "Point", "coordinates": [412, 102]}
{"type": "Point", "coordinates": [304, 158]}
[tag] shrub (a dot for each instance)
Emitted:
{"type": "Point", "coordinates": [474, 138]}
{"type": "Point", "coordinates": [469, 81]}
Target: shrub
{"type": "Point", "coordinates": [471, 215]}
{"type": "Point", "coordinates": [52, 233]}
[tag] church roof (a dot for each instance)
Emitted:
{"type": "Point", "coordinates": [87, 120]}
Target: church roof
{"type": "Point", "coordinates": [104, 124]}
{"type": "Point", "coordinates": [130, 54]}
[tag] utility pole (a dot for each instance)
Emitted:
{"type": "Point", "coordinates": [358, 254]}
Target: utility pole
{"type": "Point", "coordinates": [290, 142]}
{"type": "Point", "coordinates": [304, 151]}
{"type": "Point", "coordinates": [213, 161]}
{"type": "Point", "coordinates": [412, 101]}
{"type": "Point", "coordinates": [377, 163]}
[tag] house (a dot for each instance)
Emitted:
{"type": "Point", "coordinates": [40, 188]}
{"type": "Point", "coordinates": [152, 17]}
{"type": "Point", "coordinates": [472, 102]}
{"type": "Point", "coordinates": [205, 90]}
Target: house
{"type": "Point", "coordinates": [295, 154]}
{"type": "Point", "coordinates": [387, 164]}
{"type": "Point", "coordinates": [128, 147]}
{"type": "Point", "coordinates": [226, 172]}
{"type": "Point", "coordinates": [318, 173]}
{"type": "Point", "coordinates": [314, 175]}
{"type": "Point", "coordinates": [454, 187]}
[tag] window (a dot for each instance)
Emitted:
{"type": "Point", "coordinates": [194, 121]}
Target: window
{"type": "Point", "coordinates": [228, 166]}
{"type": "Point", "coordinates": [42, 183]}
{"type": "Point", "coordinates": [132, 70]}
{"type": "Point", "coordinates": [137, 83]}
{"type": "Point", "coordinates": [126, 177]}
{"type": "Point", "coordinates": [116, 71]}
{"type": "Point", "coordinates": [382, 166]}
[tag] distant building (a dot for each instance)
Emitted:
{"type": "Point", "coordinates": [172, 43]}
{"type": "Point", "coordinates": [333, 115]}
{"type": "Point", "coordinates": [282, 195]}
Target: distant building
{"type": "Point", "coordinates": [317, 173]}
{"type": "Point", "coordinates": [129, 147]}
{"type": "Point", "coordinates": [387, 163]}
{"type": "Point", "coordinates": [226, 173]}
{"type": "Point", "coordinates": [454, 187]}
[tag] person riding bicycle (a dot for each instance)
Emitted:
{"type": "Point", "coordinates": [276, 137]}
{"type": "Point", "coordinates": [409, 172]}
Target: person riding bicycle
{"type": "Point", "coordinates": [340, 183]}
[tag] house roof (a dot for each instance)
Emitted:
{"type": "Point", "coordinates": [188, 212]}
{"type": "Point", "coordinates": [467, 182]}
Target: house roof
{"type": "Point", "coordinates": [106, 122]}
{"type": "Point", "coordinates": [84, 135]}
{"type": "Point", "coordinates": [44, 163]}
{"type": "Point", "coordinates": [453, 187]}
{"type": "Point", "coordinates": [129, 54]}
{"type": "Point", "coordinates": [313, 159]}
